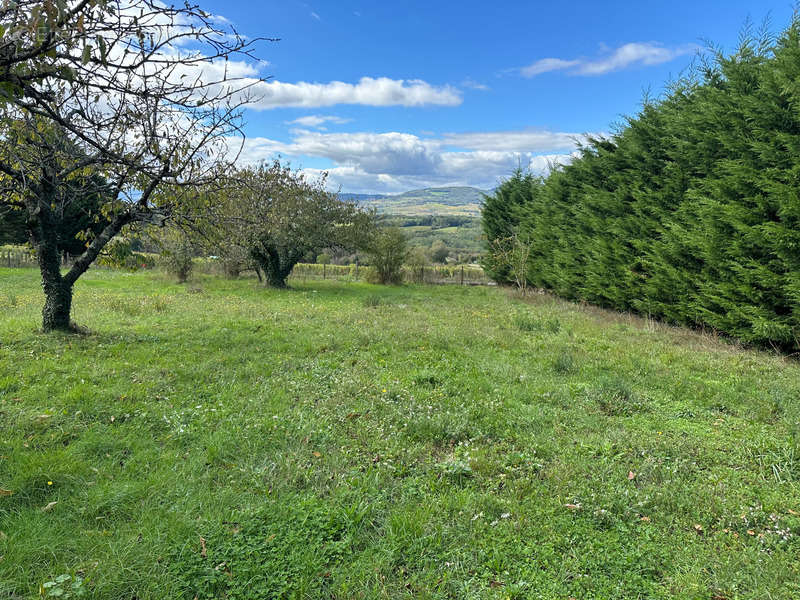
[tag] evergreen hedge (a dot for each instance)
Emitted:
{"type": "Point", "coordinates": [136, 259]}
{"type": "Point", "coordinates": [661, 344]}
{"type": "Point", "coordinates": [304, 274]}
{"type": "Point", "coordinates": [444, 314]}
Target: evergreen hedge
{"type": "Point", "coordinates": [689, 213]}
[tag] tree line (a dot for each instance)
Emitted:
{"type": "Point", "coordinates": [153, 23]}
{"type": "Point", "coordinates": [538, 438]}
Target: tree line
{"type": "Point", "coordinates": [689, 213]}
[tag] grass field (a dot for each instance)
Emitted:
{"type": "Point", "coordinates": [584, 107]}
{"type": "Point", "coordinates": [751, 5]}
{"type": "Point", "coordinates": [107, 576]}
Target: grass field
{"type": "Point", "coordinates": [219, 440]}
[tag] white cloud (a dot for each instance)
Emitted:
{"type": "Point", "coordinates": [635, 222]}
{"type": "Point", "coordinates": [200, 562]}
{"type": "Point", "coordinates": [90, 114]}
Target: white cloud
{"type": "Point", "coordinates": [627, 55]}
{"type": "Point", "coordinates": [315, 15]}
{"type": "Point", "coordinates": [474, 85]}
{"type": "Point", "coordinates": [318, 120]}
{"type": "Point", "coordinates": [545, 65]}
{"type": "Point", "coordinates": [394, 162]}
{"type": "Point", "coordinates": [369, 91]}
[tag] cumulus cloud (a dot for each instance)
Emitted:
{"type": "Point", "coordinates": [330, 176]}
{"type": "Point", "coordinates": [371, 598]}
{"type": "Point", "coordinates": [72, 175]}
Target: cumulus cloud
{"type": "Point", "coordinates": [627, 55]}
{"type": "Point", "coordinates": [369, 91]}
{"type": "Point", "coordinates": [394, 162]}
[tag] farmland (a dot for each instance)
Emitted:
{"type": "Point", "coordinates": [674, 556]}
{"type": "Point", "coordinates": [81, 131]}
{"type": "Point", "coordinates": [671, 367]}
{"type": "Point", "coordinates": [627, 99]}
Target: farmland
{"type": "Point", "coordinates": [344, 440]}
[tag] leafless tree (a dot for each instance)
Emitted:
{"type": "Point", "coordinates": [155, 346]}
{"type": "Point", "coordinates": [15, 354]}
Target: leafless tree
{"type": "Point", "coordinates": [148, 97]}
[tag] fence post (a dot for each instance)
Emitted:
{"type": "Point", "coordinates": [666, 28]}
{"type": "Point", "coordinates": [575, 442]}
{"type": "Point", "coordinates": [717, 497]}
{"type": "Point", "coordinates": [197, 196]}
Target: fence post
{"type": "Point", "coordinates": [462, 274]}
{"type": "Point", "coordinates": [324, 270]}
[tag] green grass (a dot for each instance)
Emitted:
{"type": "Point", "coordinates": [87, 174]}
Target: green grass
{"type": "Point", "coordinates": [352, 441]}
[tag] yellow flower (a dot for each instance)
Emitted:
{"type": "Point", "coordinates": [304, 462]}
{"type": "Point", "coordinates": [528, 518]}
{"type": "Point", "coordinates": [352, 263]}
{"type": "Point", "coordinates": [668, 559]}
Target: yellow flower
{"type": "Point", "coordinates": [49, 483]}
{"type": "Point", "coordinates": [384, 390]}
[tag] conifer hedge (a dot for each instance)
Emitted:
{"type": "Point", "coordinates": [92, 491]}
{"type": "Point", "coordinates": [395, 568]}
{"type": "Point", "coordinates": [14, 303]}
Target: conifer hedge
{"type": "Point", "coordinates": [689, 213]}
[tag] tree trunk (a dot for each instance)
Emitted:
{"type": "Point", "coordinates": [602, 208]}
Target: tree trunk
{"type": "Point", "coordinates": [275, 270]}
{"type": "Point", "coordinates": [57, 306]}
{"type": "Point", "coordinates": [57, 292]}
{"type": "Point", "coordinates": [274, 276]}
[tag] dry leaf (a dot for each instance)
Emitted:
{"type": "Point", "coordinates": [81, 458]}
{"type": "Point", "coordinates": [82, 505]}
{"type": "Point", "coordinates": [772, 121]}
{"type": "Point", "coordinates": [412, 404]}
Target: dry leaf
{"type": "Point", "coordinates": [698, 528]}
{"type": "Point", "coordinates": [573, 506]}
{"type": "Point", "coordinates": [645, 519]}
{"type": "Point", "coordinates": [631, 475]}
{"type": "Point", "coordinates": [793, 512]}
{"type": "Point", "coordinates": [42, 418]}
{"type": "Point", "coordinates": [203, 551]}
{"type": "Point", "coordinates": [316, 454]}
{"type": "Point", "coordinates": [5, 492]}
{"type": "Point", "coordinates": [750, 532]}
{"type": "Point", "coordinates": [50, 506]}
{"type": "Point", "coordinates": [496, 584]}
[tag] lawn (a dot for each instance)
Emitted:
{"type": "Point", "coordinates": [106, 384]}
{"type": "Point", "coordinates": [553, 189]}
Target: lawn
{"type": "Point", "coordinates": [342, 440]}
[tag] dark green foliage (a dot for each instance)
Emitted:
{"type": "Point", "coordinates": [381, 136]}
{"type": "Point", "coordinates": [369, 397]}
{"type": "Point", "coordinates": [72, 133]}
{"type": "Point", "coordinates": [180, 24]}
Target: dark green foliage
{"type": "Point", "coordinates": [689, 213]}
{"type": "Point", "coordinates": [502, 214]}
{"type": "Point", "coordinates": [12, 227]}
{"type": "Point", "coordinates": [79, 218]}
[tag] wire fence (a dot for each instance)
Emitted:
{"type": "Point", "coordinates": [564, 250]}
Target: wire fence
{"type": "Point", "coordinates": [17, 259]}
{"type": "Point", "coordinates": [433, 274]}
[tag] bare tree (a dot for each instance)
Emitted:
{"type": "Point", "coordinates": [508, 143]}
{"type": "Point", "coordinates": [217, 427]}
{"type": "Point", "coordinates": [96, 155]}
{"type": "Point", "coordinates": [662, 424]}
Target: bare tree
{"type": "Point", "coordinates": [142, 94]}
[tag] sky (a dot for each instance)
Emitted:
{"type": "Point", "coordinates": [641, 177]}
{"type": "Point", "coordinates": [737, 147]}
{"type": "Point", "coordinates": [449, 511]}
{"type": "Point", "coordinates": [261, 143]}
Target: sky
{"type": "Point", "coordinates": [388, 96]}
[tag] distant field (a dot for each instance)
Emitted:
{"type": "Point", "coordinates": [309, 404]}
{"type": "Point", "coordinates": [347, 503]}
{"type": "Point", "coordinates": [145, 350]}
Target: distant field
{"type": "Point", "coordinates": [465, 238]}
{"type": "Point", "coordinates": [451, 201]}
{"type": "Point", "coordinates": [342, 440]}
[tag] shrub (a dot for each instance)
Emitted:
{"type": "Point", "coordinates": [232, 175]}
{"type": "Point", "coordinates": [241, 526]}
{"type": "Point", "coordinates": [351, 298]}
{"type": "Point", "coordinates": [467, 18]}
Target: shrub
{"type": "Point", "coordinates": [388, 251]}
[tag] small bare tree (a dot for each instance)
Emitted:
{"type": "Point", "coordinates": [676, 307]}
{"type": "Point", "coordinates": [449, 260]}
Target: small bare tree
{"type": "Point", "coordinates": [514, 251]}
{"type": "Point", "coordinates": [140, 93]}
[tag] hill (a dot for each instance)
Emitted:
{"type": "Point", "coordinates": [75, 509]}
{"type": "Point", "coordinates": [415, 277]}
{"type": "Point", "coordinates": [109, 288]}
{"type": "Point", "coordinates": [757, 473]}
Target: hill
{"type": "Point", "coordinates": [456, 201]}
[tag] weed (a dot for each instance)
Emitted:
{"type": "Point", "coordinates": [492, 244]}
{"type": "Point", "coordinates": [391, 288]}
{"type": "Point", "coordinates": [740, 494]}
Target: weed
{"type": "Point", "coordinates": [564, 363]}
{"type": "Point", "coordinates": [373, 301]}
{"type": "Point", "coordinates": [615, 398]}
{"type": "Point", "coordinates": [529, 323]}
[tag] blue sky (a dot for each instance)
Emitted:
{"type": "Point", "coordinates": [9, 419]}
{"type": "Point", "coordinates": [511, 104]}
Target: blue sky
{"type": "Point", "coordinates": [391, 96]}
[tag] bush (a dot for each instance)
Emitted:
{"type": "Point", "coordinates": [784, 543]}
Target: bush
{"type": "Point", "coordinates": [177, 253]}
{"type": "Point", "coordinates": [388, 252]}
{"type": "Point", "coordinates": [119, 254]}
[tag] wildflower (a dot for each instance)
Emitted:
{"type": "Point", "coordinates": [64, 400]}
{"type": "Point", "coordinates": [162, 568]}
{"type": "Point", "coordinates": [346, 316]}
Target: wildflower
{"type": "Point", "coordinates": [49, 483]}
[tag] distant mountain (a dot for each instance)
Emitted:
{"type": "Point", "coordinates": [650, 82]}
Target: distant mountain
{"type": "Point", "coordinates": [361, 197]}
{"type": "Point", "coordinates": [462, 201]}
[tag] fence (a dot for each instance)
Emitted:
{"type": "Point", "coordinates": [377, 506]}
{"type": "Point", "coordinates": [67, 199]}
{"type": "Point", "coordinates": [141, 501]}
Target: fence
{"type": "Point", "coordinates": [435, 275]}
{"type": "Point", "coordinates": [16, 259]}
